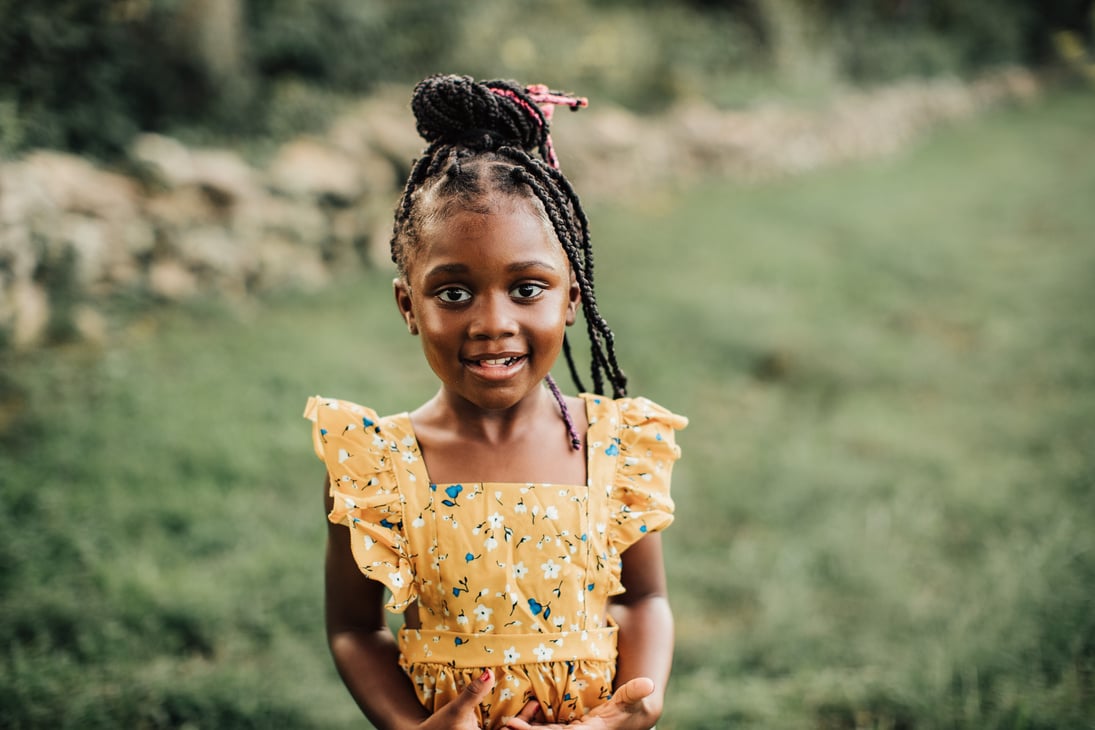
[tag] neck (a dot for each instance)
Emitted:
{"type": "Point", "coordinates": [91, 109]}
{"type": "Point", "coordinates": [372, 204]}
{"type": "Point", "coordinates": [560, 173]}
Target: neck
{"type": "Point", "coordinates": [495, 426]}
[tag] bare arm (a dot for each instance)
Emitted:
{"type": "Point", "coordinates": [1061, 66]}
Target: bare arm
{"type": "Point", "coordinates": [364, 650]}
{"type": "Point", "coordinates": [645, 642]}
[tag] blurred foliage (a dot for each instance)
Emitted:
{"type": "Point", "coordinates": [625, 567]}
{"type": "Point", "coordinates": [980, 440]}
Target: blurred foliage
{"type": "Point", "coordinates": [84, 75]}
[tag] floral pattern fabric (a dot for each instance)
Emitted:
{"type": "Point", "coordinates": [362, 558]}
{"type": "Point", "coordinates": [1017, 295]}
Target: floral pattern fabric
{"type": "Point", "coordinates": [511, 576]}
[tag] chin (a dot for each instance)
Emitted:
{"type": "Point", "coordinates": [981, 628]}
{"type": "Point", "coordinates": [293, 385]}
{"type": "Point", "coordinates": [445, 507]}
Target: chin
{"type": "Point", "coordinates": [499, 399]}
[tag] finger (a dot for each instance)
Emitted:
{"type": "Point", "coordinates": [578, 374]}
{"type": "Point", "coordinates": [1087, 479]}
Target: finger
{"type": "Point", "coordinates": [475, 690]}
{"type": "Point", "coordinates": [528, 712]}
{"type": "Point", "coordinates": [634, 691]}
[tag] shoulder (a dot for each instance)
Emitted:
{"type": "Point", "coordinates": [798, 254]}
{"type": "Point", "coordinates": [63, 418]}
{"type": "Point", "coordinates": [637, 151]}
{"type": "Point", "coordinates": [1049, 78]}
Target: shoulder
{"type": "Point", "coordinates": [632, 411]}
{"type": "Point", "coordinates": [342, 427]}
{"type": "Point", "coordinates": [636, 435]}
{"type": "Point", "coordinates": [640, 410]}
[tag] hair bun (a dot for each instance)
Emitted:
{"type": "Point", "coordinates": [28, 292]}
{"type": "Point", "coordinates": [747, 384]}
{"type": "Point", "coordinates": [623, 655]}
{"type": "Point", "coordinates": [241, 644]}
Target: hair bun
{"type": "Point", "coordinates": [455, 109]}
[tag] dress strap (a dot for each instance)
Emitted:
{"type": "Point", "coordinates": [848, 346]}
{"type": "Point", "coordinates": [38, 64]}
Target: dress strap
{"type": "Point", "coordinates": [602, 443]}
{"type": "Point", "coordinates": [418, 496]}
{"type": "Point", "coordinates": [406, 455]}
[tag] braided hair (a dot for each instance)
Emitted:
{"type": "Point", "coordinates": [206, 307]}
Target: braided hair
{"type": "Point", "coordinates": [480, 138]}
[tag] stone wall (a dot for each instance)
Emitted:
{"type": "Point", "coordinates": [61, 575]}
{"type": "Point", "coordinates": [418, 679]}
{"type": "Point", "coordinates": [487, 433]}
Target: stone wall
{"type": "Point", "coordinates": [186, 222]}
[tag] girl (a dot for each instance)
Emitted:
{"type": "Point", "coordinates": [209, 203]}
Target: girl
{"type": "Point", "coordinates": [498, 513]}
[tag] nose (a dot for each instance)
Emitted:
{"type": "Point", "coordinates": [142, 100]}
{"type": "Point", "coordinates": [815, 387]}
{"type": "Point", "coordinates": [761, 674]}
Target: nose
{"type": "Point", "coordinates": [493, 317]}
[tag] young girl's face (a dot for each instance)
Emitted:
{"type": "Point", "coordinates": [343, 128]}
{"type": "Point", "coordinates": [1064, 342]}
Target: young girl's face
{"type": "Point", "coordinates": [491, 295]}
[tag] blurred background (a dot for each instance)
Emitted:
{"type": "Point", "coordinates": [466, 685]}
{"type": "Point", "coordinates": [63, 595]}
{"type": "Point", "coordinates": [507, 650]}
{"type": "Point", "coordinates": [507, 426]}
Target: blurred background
{"type": "Point", "coordinates": [850, 240]}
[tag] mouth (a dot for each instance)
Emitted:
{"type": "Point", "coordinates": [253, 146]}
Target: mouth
{"type": "Point", "coordinates": [497, 362]}
{"type": "Point", "coordinates": [495, 368]}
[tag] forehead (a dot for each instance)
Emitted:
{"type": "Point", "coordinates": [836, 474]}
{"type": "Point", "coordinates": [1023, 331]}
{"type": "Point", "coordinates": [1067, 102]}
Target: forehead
{"type": "Point", "coordinates": [498, 228]}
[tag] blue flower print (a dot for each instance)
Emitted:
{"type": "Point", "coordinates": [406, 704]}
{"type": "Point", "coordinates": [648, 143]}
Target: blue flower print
{"type": "Point", "coordinates": [613, 448]}
{"type": "Point", "coordinates": [536, 607]}
{"type": "Point", "coordinates": [453, 492]}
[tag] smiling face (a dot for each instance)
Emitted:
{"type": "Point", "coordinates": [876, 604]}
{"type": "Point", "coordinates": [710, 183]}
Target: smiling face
{"type": "Point", "coordinates": [490, 292]}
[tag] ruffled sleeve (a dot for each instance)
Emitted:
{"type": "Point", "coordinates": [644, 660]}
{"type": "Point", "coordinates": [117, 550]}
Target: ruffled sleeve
{"type": "Point", "coordinates": [639, 502]}
{"type": "Point", "coordinates": [351, 441]}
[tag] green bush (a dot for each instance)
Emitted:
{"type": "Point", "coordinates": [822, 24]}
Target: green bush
{"type": "Point", "coordinates": [85, 75]}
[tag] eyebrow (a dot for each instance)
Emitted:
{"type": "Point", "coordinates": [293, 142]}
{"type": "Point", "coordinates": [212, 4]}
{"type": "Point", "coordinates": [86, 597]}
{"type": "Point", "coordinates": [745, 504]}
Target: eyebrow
{"type": "Point", "coordinates": [515, 266]}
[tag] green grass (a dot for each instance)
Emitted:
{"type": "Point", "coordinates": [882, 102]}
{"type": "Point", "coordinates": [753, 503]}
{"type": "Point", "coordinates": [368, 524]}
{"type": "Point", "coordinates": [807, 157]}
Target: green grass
{"type": "Point", "coordinates": [886, 509]}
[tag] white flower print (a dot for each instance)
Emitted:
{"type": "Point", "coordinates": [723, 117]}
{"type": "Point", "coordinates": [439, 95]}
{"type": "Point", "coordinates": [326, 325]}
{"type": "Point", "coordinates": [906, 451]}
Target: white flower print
{"type": "Point", "coordinates": [506, 694]}
{"type": "Point", "coordinates": [551, 513]}
{"type": "Point", "coordinates": [379, 442]}
{"type": "Point", "coordinates": [511, 655]}
{"type": "Point", "coordinates": [408, 441]}
{"type": "Point", "coordinates": [543, 653]}
{"type": "Point", "coordinates": [409, 458]}
{"type": "Point", "coordinates": [551, 569]}
{"type": "Point", "coordinates": [520, 570]}
{"type": "Point", "coordinates": [343, 455]}
{"type": "Point", "coordinates": [462, 619]}
{"type": "Point", "coordinates": [491, 543]}
{"type": "Point", "coordinates": [496, 520]}
{"type": "Point", "coordinates": [482, 612]}
{"type": "Point", "coordinates": [520, 508]}
{"type": "Point", "coordinates": [396, 579]}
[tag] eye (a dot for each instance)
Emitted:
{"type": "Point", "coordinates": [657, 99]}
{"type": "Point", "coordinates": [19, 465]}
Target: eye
{"type": "Point", "coordinates": [453, 295]}
{"type": "Point", "coordinates": [526, 291]}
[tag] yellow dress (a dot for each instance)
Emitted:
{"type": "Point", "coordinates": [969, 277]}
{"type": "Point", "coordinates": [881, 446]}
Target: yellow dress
{"type": "Point", "coordinates": [515, 577]}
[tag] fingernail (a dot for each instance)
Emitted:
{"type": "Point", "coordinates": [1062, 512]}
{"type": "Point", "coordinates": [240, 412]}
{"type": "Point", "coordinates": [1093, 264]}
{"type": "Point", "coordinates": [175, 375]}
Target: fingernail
{"type": "Point", "coordinates": [486, 677]}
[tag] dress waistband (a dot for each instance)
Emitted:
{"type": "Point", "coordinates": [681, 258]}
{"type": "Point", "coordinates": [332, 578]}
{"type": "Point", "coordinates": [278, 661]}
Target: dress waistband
{"type": "Point", "coordinates": [486, 650]}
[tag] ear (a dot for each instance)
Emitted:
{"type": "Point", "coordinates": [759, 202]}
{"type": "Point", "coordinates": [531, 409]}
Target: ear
{"type": "Point", "coordinates": [574, 298]}
{"type": "Point", "coordinates": [403, 301]}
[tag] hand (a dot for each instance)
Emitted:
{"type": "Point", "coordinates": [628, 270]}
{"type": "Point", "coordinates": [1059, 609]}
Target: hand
{"type": "Point", "coordinates": [460, 713]}
{"type": "Point", "coordinates": [627, 710]}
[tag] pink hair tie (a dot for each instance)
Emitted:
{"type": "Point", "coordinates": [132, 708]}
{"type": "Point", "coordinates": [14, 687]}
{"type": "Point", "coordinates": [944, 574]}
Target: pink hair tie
{"type": "Point", "coordinates": [547, 100]}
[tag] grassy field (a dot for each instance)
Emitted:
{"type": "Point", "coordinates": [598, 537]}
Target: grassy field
{"type": "Point", "coordinates": [886, 509]}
